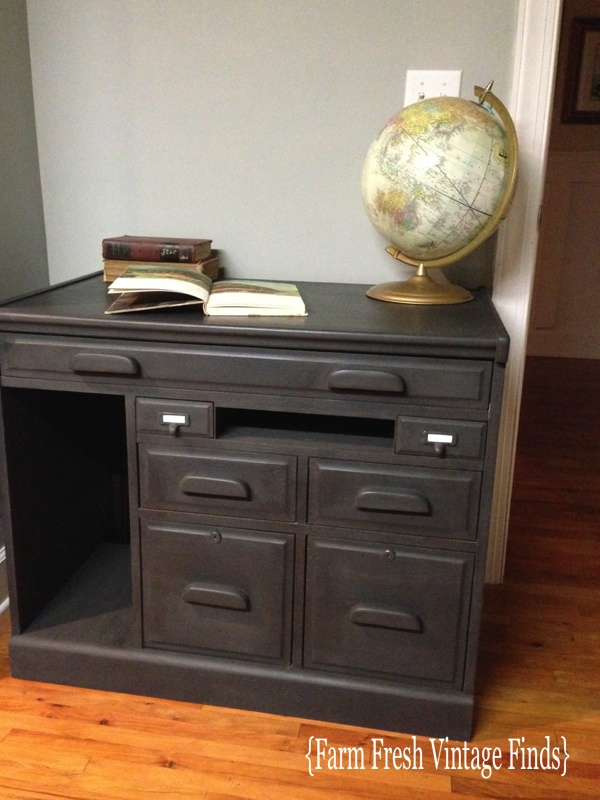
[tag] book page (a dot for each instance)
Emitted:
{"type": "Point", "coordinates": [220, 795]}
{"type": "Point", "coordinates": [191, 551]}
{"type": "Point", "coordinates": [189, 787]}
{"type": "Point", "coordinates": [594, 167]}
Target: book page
{"type": "Point", "coordinates": [255, 297]}
{"type": "Point", "coordinates": [163, 278]}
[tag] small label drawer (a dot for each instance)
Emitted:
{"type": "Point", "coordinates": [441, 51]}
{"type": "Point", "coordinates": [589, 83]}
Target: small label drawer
{"type": "Point", "coordinates": [176, 418]}
{"type": "Point", "coordinates": [388, 612]}
{"type": "Point", "coordinates": [444, 438]}
{"type": "Point", "coordinates": [408, 500]}
{"type": "Point", "coordinates": [234, 485]}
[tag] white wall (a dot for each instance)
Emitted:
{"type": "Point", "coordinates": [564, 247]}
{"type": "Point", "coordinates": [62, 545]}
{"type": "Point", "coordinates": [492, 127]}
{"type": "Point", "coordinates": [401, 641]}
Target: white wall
{"type": "Point", "coordinates": [23, 263]}
{"type": "Point", "coordinates": [246, 121]}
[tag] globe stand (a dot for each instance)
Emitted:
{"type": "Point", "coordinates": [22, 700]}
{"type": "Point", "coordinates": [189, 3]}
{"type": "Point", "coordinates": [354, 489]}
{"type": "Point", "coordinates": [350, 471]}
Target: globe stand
{"type": "Point", "coordinates": [420, 289]}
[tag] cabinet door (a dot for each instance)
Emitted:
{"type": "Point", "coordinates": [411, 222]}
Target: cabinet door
{"type": "Point", "coordinates": [391, 612]}
{"type": "Point", "coordinates": [225, 592]}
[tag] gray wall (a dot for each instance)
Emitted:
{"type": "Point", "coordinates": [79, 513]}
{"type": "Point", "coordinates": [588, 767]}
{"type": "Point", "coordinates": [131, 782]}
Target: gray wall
{"type": "Point", "coordinates": [246, 121]}
{"type": "Point", "coordinates": [23, 260]}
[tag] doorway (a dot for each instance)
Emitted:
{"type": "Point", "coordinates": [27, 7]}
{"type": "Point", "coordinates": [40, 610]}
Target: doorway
{"type": "Point", "coordinates": [565, 313]}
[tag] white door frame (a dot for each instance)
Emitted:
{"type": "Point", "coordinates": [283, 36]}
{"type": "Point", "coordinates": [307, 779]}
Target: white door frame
{"type": "Point", "coordinates": [536, 49]}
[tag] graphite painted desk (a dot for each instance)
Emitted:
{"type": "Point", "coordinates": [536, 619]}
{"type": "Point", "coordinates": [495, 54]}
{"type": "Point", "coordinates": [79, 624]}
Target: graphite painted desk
{"type": "Point", "coordinates": [282, 514]}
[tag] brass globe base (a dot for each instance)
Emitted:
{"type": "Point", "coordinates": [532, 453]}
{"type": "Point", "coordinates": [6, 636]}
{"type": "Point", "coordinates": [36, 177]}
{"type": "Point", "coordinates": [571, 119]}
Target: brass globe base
{"type": "Point", "coordinates": [421, 290]}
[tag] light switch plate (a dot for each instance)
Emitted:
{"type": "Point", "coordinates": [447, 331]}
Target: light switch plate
{"type": "Point", "coordinates": [424, 83]}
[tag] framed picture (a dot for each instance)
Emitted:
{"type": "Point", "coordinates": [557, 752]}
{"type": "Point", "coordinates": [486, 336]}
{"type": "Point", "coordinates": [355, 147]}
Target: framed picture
{"type": "Point", "coordinates": [582, 78]}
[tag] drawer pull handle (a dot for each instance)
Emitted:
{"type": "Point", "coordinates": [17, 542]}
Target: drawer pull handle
{"type": "Point", "coordinates": [174, 422]}
{"type": "Point", "coordinates": [216, 595]}
{"type": "Point", "coordinates": [215, 487]}
{"type": "Point", "coordinates": [104, 363]}
{"type": "Point", "coordinates": [365, 380]}
{"type": "Point", "coordinates": [395, 501]}
{"type": "Point", "coordinates": [385, 617]}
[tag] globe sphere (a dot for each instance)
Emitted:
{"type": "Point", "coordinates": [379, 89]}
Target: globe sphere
{"type": "Point", "coordinates": [437, 178]}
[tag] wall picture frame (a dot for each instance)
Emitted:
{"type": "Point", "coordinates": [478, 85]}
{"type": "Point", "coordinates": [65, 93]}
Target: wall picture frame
{"type": "Point", "coordinates": [582, 78]}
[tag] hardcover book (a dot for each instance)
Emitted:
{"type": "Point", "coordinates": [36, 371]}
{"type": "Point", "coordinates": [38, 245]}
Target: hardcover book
{"type": "Point", "coordinates": [142, 288]}
{"type": "Point", "coordinates": [113, 267]}
{"type": "Point", "coordinates": [156, 248]}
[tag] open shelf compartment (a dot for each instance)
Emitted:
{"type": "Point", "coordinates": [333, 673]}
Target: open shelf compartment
{"type": "Point", "coordinates": [68, 492]}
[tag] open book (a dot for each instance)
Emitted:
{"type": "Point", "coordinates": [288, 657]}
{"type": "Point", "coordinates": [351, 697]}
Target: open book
{"type": "Point", "coordinates": [145, 287]}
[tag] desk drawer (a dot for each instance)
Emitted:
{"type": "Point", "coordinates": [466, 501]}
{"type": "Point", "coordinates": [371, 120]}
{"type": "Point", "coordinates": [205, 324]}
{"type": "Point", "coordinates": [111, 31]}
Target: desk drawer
{"type": "Point", "coordinates": [409, 500]}
{"type": "Point", "coordinates": [234, 485]}
{"type": "Point", "coordinates": [387, 612]}
{"type": "Point", "coordinates": [435, 381]}
{"type": "Point", "coordinates": [226, 592]}
{"type": "Point", "coordinates": [444, 438]}
{"type": "Point", "coordinates": [177, 418]}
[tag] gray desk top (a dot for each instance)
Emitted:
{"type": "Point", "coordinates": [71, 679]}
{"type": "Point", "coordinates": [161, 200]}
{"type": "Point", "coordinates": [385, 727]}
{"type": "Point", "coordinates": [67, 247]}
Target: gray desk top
{"type": "Point", "coordinates": [340, 318]}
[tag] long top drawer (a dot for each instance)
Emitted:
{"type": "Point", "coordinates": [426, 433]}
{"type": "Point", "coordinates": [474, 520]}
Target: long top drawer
{"type": "Point", "coordinates": [445, 382]}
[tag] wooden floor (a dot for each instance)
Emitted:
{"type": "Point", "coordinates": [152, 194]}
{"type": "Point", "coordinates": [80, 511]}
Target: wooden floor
{"type": "Point", "coordinates": [539, 671]}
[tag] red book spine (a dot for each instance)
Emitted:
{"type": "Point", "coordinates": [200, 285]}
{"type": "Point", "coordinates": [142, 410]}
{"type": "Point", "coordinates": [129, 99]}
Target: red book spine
{"type": "Point", "coordinates": [139, 250]}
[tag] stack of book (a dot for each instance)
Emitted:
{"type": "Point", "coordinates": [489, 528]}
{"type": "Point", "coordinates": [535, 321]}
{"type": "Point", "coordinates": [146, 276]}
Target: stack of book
{"type": "Point", "coordinates": [120, 252]}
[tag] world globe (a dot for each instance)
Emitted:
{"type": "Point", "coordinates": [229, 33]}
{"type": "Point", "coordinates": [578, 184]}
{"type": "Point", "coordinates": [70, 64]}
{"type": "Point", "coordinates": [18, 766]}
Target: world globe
{"type": "Point", "coordinates": [436, 182]}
